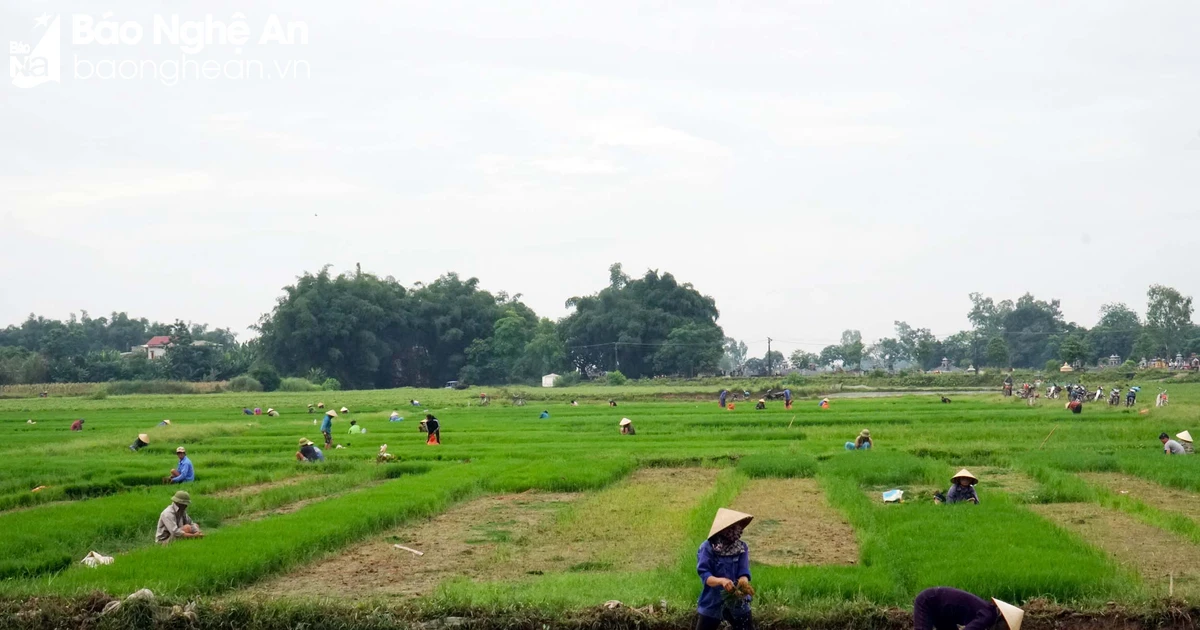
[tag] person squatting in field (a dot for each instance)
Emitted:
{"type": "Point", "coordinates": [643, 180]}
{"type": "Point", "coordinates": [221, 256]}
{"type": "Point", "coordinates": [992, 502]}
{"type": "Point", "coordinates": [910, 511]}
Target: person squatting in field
{"type": "Point", "coordinates": [962, 488]}
{"type": "Point", "coordinates": [944, 608]}
{"type": "Point", "coordinates": [327, 427]}
{"type": "Point", "coordinates": [627, 427]}
{"type": "Point", "coordinates": [723, 563]}
{"type": "Point", "coordinates": [1076, 406]}
{"type": "Point", "coordinates": [174, 521]}
{"type": "Point", "coordinates": [77, 425]}
{"type": "Point", "coordinates": [860, 443]}
{"type": "Point", "coordinates": [141, 442]}
{"type": "Point", "coordinates": [308, 452]}
{"type": "Point", "coordinates": [185, 472]}
{"type": "Point", "coordinates": [1185, 440]}
{"type": "Point", "coordinates": [1171, 447]}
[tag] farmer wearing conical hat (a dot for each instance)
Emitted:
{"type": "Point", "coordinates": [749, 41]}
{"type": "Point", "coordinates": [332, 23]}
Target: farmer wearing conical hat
{"type": "Point", "coordinates": [962, 488]}
{"type": "Point", "coordinates": [327, 427]}
{"type": "Point", "coordinates": [627, 427]}
{"type": "Point", "coordinates": [142, 441]}
{"type": "Point", "coordinates": [862, 442]}
{"type": "Point", "coordinates": [174, 521]}
{"type": "Point", "coordinates": [308, 452]}
{"type": "Point", "coordinates": [1185, 440]}
{"type": "Point", "coordinates": [949, 608]}
{"type": "Point", "coordinates": [723, 563]}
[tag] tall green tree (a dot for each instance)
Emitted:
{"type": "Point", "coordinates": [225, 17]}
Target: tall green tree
{"type": "Point", "coordinates": [1116, 332]}
{"type": "Point", "coordinates": [801, 360]}
{"type": "Point", "coordinates": [852, 348]}
{"type": "Point", "coordinates": [733, 361]}
{"type": "Point", "coordinates": [997, 352]}
{"type": "Point", "coordinates": [691, 349]}
{"type": "Point", "coordinates": [1169, 316]}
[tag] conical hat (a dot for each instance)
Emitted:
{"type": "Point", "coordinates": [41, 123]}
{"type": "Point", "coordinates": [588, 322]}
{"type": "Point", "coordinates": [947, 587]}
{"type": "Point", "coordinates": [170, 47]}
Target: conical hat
{"type": "Point", "coordinates": [1012, 615]}
{"type": "Point", "coordinates": [304, 442]}
{"type": "Point", "coordinates": [331, 413]}
{"type": "Point", "coordinates": [725, 518]}
{"type": "Point", "coordinates": [345, 410]}
{"type": "Point", "coordinates": [626, 422]}
{"type": "Point", "coordinates": [1184, 435]}
{"type": "Point", "coordinates": [143, 437]}
{"type": "Point", "coordinates": [965, 473]}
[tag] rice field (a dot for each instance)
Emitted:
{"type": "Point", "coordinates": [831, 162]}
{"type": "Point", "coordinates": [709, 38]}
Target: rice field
{"type": "Point", "coordinates": [558, 515]}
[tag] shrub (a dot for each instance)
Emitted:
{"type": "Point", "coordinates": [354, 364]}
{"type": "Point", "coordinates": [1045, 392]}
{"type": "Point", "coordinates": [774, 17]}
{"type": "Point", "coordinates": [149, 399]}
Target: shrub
{"type": "Point", "coordinates": [615, 377]}
{"type": "Point", "coordinates": [567, 380]}
{"type": "Point", "coordinates": [1052, 366]}
{"type": "Point", "coordinates": [267, 376]}
{"type": "Point", "coordinates": [99, 394]}
{"type": "Point", "coordinates": [245, 383]}
{"type": "Point", "coordinates": [126, 388]}
{"type": "Point", "coordinates": [332, 385]}
{"type": "Point", "coordinates": [296, 384]}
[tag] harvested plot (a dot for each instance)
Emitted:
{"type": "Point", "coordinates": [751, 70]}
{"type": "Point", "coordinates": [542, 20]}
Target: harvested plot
{"type": "Point", "coordinates": [1155, 554]}
{"type": "Point", "coordinates": [1148, 492]}
{"type": "Point", "coordinates": [257, 488]}
{"type": "Point", "coordinates": [464, 541]}
{"type": "Point", "coordinates": [1003, 479]}
{"type": "Point", "coordinates": [794, 525]}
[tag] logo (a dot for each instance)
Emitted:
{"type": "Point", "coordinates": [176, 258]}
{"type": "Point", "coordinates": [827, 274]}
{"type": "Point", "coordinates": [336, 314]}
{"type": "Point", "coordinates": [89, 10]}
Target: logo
{"type": "Point", "coordinates": [31, 67]}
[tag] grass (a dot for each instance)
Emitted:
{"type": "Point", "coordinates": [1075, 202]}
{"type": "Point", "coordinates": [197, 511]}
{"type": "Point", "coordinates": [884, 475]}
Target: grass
{"type": "Point", "coordinates": [631, 537]}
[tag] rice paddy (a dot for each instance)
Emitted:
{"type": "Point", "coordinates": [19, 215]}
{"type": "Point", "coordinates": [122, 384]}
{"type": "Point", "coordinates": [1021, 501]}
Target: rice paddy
{"type": "Point", "coordinates": [563, 514]}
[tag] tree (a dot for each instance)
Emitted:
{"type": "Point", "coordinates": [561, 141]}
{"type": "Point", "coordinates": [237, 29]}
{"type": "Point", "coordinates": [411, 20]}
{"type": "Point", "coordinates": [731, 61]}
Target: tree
{"type": "Point", "coordinates": [997, 352]}
{"type": "Point", "coordinates": [626, 322]}
{"type": "Point", "coordinates": [544, 354]}
{"type": "Point", "coordinates": [1116, 332]}
{"type": "Point", "coordinates": [802, 360]}
{"type": "Point", "coordinates": [774, 362]}
{"type": "Point", "coordinates": [986, 316]}
{"type": "Point", "coordinates": [755, 367]}
{"type": "Point", "coordinates": [1033, 330]}
{"type": "Point", "coordinates": [690, 349]}
{"type": "Point", "coordinates": [831, 356]}
{"type": "Point", "coordinates": [1074, 348]}
{"type": "Point", "coordinates": [886, 352]}
{"type": "Point", "coordinates": [852, 348]}
{"type": "Point", "coordinates": [1169, 315]}
{"type": "Point", "coordinates": [734, 359]}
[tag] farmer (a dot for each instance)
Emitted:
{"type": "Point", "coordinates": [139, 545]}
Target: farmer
{"type": "Point", "coordinates": [345, 410]}
{"type": "Point", "coordinates": [77, 425]}
{"type": "Point", "coordinates": [860, 443]}
{"type": "Point", "coordinates": [320, 405]}
{"type": "Point", "coordinates": [1185, 440]}
{"type": "Point", "coordinates": [434, 427]}
{"type": "Point", "coordinates": [247, 411]}
{"type": "Point", "coordinates": [627, 427]}
{"type": "Point", "coordinates": [723, 562]}
{"type": "Point", "coordinates": [308, 452]}
{"type": "Point", "coordinates": [174, 521]}
{"type": "Point", "coordinates": [354, 428]}
{"type": "Point", "coordinates": [824, 404]}
{"type": "Point", "coordinates": [164, 423]}
{"type": "Point", "coordinates": [962, 488]}
{"type": "Point", "coordinates": [761, 404]}
{"type": "Point", "coordinates": [141, 441]}
{"type": "Point", "coordinates": [184, 472]}
{"type": "Point", "coordinates": [612, 403]}
{"type": "Point", "coordinates": [271, 412]}
{"type": "Point", "coordinates": [395, 417]}
{"type": "Point", "coordinates": [947, 608]}
{"type": "Point", "coordinates": [723, 395]}
{"type": "Point", "coordinates": [414, 403]}
{"type": "Point", "coordinates": [1171, 447]}
{"type": "Point", "coordinates": [327, 427]}
{"type": "Point", "coordinates": [1076, 406]}
{"type": "Point", "coordinates": [310, 407]}
{"type": "Point", "coordinates": [787, 399]}
{"type": "Point", "coordinates": [544, 415]}
{"type": "Point", "coordinates": [574, 403]}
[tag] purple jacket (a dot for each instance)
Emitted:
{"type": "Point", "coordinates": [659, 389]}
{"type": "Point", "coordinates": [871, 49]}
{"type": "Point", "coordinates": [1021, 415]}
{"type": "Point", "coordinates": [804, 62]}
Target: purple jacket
{"type": "Point", "coordinates": [709, 564]}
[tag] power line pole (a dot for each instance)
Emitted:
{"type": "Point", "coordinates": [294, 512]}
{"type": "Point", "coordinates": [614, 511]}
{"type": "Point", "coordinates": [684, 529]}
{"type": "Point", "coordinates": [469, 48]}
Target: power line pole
{"type": "Point", "coordinates": [769, 340]}
{"type": "Point", "coordinates": [616, 361]}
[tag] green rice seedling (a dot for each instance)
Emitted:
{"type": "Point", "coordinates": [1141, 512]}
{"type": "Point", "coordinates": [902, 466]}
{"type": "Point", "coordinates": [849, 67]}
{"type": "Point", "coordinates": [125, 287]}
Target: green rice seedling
{"type": "Point", "coordinates": [778, 465]}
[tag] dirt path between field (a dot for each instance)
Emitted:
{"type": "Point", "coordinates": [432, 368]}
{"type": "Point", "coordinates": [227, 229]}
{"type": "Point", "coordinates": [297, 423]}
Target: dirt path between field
{"type": "Point", "coordinates": [242, 491]}
{"type": "Point", "coordinates": [1154, 553]}
{"type": "Point", "coordinates": [794, 524]}
{"type": "Point", "coordinates": [1149, 492]}
{"type": "Point", "coordinates": [636, 524]}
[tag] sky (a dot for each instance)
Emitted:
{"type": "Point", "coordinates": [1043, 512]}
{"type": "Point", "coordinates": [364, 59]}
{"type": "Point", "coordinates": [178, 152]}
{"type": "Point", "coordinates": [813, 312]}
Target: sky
{"type": "Point", "coordinates": [812, 166]}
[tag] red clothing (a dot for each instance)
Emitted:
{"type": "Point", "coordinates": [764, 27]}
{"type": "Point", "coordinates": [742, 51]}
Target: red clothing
{"type": "Point", "coordinates": [77, 425]}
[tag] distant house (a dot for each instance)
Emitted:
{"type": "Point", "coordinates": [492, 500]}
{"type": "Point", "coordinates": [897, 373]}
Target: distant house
{"type": "Point", "coordinates": [548, 380]}
{"type": "Point", "coordinates": [156, 348]}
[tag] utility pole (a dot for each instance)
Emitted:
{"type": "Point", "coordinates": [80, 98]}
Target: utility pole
{"type": "Point", "coordinates": [616, 361]}
{"type": "Point", "coordinates": [769, 340]}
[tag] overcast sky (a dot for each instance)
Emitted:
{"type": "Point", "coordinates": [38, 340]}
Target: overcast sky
{"type": "Point", "coordinates": [812, 166]}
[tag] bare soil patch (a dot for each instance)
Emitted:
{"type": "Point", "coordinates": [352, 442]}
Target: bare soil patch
{"type": "Point", "coordinates": [794, 524]}
{"type": "Point", "coordinates": [1004, 479]}
{"type": "Point", "coordinates": [1154, 553]}
{"type": "Point", "coordinates": [636, 524]}
{"type": "Point", "coordinates": [459, 542]}
{"type": "Point", "coordinates": [1149, 492]}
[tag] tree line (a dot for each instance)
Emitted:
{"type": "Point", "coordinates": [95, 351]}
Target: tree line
{"type": "Point", "coordinates": [1027, 333]}
{"type": "Point", "coordinates": [360, 330]}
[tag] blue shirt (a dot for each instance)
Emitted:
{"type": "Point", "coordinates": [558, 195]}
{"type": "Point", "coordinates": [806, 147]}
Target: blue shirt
{"type": "Point", "coordinates": [327, 424]}
{"type": "Point", "coordinates": [186, 472]}
{"type": "Point", "coordinates": [959, 494]}
{"type": "Point", "coordinates": [709, 564]}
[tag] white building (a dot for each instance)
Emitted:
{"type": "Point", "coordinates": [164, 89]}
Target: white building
{"type": "Point", "coordinates": [548, 380]}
